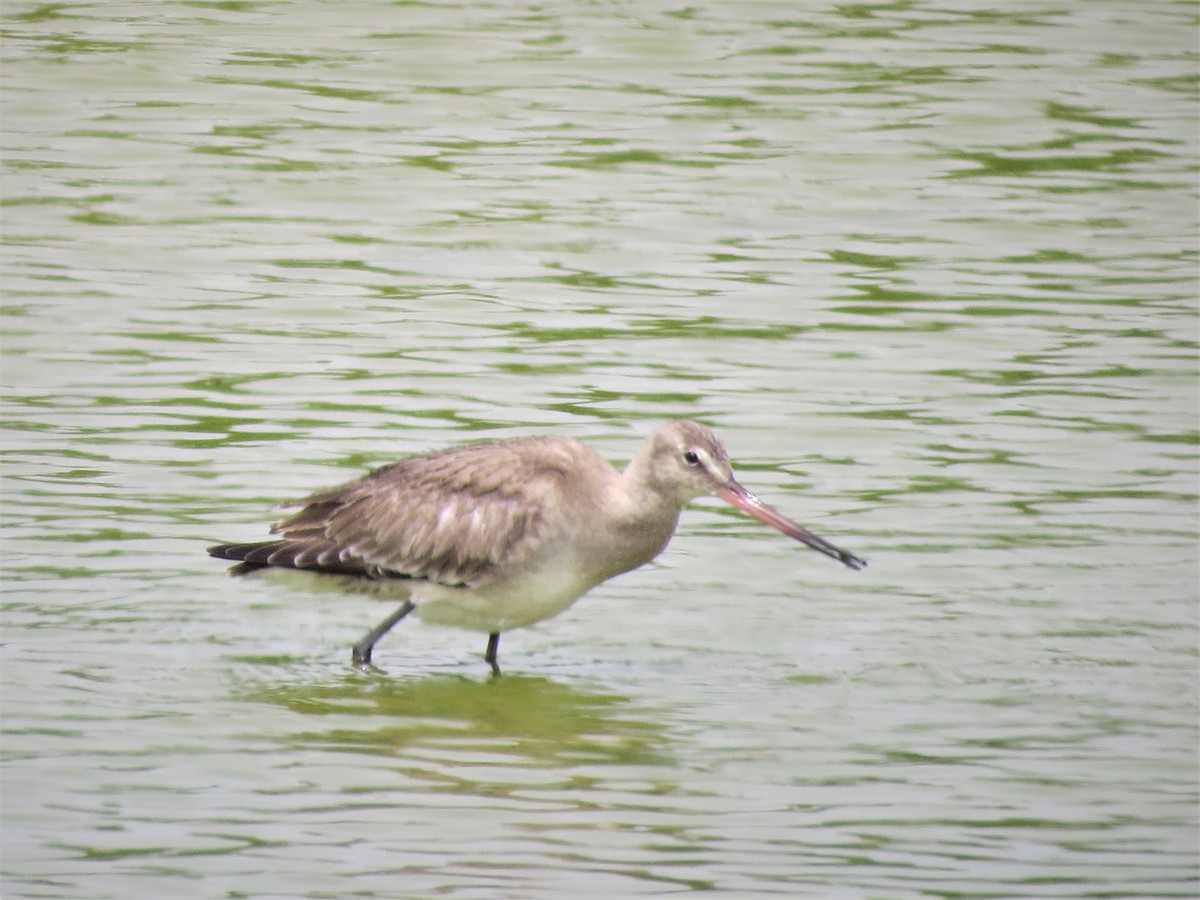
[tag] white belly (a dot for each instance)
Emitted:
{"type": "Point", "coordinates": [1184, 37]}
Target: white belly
{"type": "Point", "coordinates": [508, 604]}
{"type": "Point", "coordinates": [544, 589]}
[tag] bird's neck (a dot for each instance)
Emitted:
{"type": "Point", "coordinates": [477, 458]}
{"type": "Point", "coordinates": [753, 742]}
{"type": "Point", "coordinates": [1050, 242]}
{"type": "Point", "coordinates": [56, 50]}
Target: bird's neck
{"type": "Point", "coordinates": [643, 513]}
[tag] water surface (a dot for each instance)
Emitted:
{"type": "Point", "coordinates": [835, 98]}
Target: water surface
{"type": "Point", "coordinates": [930, 270]}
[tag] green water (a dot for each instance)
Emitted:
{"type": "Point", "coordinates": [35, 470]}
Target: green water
{"type": "Point", "coordinates": [929, 269]}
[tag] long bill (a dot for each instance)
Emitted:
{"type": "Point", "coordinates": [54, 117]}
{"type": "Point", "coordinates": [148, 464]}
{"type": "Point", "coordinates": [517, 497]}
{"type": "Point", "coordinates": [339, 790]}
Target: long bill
{"type": "Point", "coordinates": [734, 493]}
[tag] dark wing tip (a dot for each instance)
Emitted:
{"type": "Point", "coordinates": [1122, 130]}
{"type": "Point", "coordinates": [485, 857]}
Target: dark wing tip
{"type": "Point", "coordinates": [310, 557]}
{"type": "Point", "coordinates": [237, 551]}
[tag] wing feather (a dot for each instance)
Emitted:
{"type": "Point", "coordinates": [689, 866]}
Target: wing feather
{"type": "Point", "coordinates": [453, 517]}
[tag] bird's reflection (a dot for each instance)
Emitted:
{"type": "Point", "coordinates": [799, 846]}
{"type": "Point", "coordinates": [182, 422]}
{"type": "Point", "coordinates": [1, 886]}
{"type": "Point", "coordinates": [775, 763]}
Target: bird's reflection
{"type": "Point", "coordinates": [532, 717]}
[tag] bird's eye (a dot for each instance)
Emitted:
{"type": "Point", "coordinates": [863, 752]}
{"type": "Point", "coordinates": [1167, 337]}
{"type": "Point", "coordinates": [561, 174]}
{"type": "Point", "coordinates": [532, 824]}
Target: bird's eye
{"type": "Point", "coordinates": [691, 457]}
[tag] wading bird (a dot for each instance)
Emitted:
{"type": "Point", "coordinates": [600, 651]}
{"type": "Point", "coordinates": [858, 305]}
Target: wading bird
{"type": "Point", "coordinates": [497, 535]}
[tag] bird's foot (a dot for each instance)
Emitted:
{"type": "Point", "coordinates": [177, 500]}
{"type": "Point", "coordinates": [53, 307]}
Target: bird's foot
{"type": "Point", "coordinates": [493, 647]}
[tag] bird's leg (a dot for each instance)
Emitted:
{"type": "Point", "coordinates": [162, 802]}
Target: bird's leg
{"type": "Point", "coordinates": [361, 653]}
{"type": "Point", "coordinates": [492, 647]}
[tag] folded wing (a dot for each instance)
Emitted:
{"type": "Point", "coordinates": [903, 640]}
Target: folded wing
{"type": "Point", "coordinates": [451, 517]}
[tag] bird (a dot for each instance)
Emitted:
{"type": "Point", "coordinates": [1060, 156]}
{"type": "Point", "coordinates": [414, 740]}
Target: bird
{"type": "Point", "coordinates": [501, 534]}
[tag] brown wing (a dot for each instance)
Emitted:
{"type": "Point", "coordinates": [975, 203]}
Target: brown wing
{"type": "Point", "coordinates": [453, 517]}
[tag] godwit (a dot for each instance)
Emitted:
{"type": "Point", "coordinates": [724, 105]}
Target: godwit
{"type": "Point", "coordinates": [497, 535]}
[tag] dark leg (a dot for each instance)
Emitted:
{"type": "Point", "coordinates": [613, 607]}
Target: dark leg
{"type": "Point", "coordinates": [490, 655]}
{"type": "Point", "coordinates": [361, 654]}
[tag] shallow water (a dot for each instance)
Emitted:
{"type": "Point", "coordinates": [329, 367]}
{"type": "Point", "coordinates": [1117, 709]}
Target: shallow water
{"type": "Point", "coordinates": [929, 270]}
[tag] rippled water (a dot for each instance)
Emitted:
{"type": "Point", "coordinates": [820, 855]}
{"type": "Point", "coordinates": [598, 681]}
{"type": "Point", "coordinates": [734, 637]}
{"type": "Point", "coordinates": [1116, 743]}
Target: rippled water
{"type": "Point", "coordinates": [930, 270]}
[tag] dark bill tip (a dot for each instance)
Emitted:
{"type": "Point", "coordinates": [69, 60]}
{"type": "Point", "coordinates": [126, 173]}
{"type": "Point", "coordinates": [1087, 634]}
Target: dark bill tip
{"type": "Point", "coordinates": [738, 496]}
